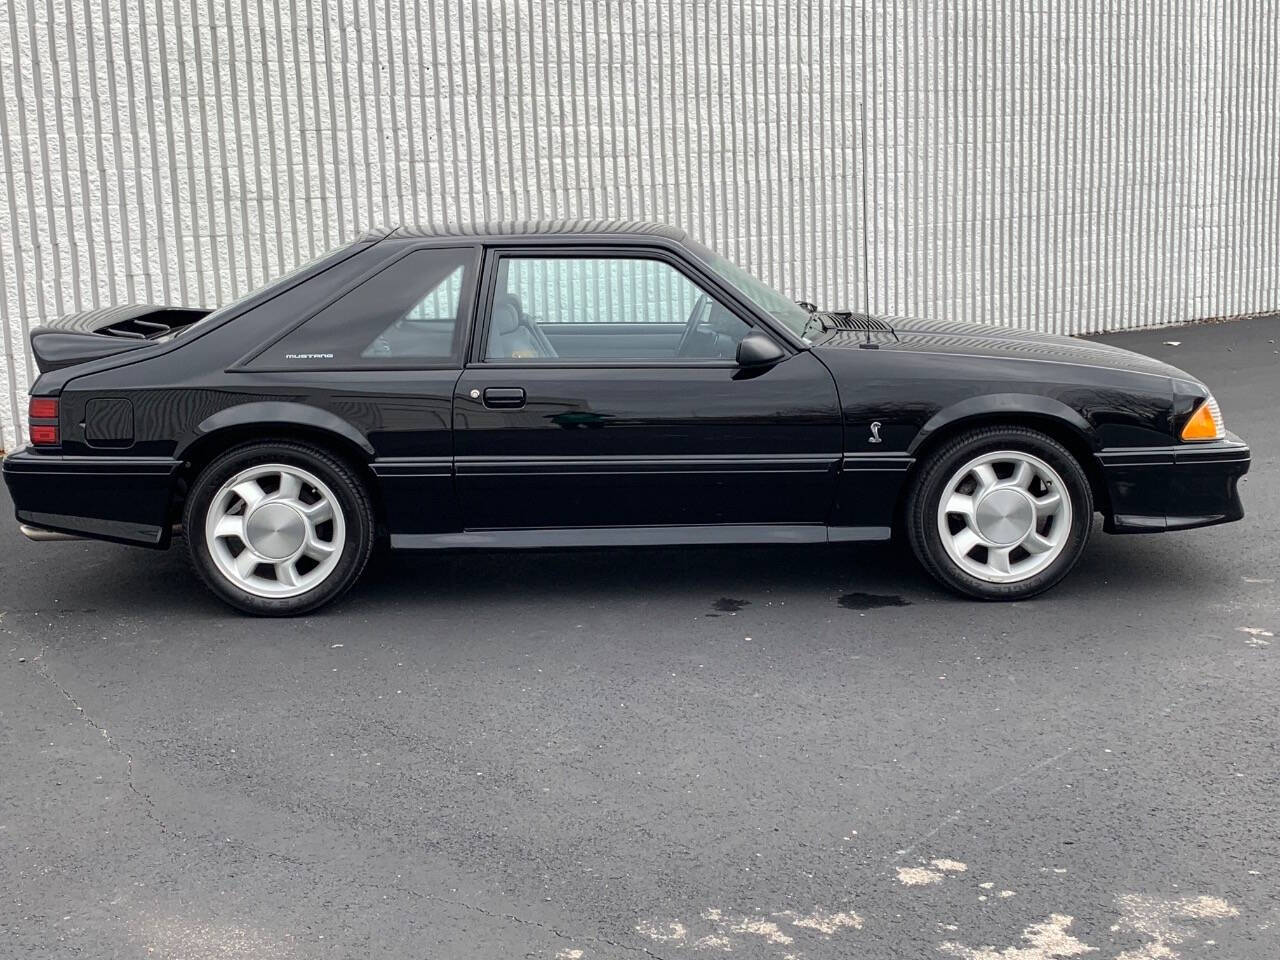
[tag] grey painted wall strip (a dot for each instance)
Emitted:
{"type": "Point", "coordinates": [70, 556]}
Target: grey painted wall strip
{"type": "Point", "coordinates": [1071, 168]}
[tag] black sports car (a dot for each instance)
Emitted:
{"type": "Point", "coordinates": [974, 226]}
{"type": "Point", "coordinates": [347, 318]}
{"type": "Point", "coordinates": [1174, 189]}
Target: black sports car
{"type": "Point", "coordinates": [590, 384]}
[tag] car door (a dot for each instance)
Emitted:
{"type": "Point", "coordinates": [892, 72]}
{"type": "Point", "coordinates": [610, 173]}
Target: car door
{"type": "Point", "coordinates": [602, 392]}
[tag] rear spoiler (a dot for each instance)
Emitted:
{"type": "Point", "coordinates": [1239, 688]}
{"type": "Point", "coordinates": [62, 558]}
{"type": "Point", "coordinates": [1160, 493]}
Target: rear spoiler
{"type": "Point", "coordinates": [94, 334]}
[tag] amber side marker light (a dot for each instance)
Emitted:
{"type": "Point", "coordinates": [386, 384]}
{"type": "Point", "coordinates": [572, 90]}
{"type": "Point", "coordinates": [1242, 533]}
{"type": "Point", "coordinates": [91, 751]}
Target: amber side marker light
{"type": "Point", "coordinates": [1205, 423]}
{"type": "Point", "coordinates": [43, 414]}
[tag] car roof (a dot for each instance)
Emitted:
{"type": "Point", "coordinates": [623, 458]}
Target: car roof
{"type": "Point", "coordinates": [613, 229]}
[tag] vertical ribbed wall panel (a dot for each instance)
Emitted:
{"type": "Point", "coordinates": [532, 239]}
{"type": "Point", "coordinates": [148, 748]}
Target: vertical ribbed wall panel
{"type": "Point", "coordinates": [1068, 167]}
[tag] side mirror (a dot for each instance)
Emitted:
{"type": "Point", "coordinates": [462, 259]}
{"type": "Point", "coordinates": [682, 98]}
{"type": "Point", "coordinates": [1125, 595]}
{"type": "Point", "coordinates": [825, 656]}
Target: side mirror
{"type": "Point", "coordinates": [758, 350]}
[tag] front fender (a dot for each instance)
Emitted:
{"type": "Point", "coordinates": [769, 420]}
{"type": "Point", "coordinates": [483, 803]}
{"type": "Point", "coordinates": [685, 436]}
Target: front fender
{"type": "Point", "coordinates": [275, 413]}
{"type": "Point", "coordinates": [996, 404]}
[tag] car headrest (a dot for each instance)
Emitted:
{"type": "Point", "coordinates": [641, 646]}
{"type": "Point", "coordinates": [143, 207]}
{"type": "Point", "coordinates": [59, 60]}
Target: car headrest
{"type": "Point", "coordinates": [506, 316]}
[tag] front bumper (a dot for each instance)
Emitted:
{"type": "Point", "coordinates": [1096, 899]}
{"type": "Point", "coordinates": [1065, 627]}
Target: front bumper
{"type": "Point", "coordinates": [1187, 485]}
{"type": "Point", "coordinates": [125, 499]}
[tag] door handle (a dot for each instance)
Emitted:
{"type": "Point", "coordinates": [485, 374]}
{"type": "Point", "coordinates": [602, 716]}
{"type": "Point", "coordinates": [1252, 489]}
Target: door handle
{"type": "Point", "coordinates": [499, 397]}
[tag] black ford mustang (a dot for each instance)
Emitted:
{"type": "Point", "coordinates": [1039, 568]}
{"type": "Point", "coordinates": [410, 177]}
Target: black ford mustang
{"type": "Point", "coordinates": [587, 384]}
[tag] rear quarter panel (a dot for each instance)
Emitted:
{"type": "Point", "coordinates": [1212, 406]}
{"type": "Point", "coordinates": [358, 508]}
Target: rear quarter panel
{"type": "Point", "coordinates": [176, 388]}
{"type": "Point", "coordinates": [181, 394]}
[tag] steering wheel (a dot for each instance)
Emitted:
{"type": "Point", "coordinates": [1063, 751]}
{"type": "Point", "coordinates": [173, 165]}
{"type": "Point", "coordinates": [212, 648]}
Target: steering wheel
{"type": "Point", "coordinates": [691, 325]}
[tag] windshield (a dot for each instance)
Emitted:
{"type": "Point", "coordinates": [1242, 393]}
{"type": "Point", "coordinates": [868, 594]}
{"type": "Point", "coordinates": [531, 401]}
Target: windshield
{"type": "Point", "coordinates": [789, 314]}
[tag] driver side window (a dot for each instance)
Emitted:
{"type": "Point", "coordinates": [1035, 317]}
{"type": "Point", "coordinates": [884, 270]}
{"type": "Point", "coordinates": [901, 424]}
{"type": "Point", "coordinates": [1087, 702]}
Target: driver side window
{"type": "Point", "coordinates": [605, 308]}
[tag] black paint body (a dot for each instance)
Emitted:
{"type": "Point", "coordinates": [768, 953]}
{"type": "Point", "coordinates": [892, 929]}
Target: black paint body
{"type": "Point", "coordinates": [818, 446]}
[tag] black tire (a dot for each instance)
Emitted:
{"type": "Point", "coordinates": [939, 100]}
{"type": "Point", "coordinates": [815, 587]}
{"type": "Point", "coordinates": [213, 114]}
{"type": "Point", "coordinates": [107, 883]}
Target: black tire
{"type": "Point", "coordinates": [930, 485]}
{"type": "Point", "coordinates": [352, 499]}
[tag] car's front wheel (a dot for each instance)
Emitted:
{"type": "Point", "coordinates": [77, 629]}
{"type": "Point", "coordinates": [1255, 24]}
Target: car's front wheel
{"type": "Point", "coordinates": [1000, 513]}
{"type": "Point", "coordinates": [278, 528]}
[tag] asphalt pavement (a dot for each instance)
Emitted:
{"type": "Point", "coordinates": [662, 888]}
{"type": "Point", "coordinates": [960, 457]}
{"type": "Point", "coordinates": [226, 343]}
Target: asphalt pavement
{"type": "Point", "coordinates": [754, 753]}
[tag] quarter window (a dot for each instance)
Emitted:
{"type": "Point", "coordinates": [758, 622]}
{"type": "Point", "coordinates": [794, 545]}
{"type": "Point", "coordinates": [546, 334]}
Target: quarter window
{"type": "Point", "coordinates": [408, 313]}
{"type": "Point", "coordinates": [605, 308]}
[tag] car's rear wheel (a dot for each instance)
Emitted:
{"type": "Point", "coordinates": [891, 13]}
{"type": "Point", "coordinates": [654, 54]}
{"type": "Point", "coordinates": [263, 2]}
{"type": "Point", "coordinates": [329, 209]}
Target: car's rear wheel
{"type": "Point", "coordinates": [278, 528]}
{"type": "Point", "coordinates": [1000, 513]}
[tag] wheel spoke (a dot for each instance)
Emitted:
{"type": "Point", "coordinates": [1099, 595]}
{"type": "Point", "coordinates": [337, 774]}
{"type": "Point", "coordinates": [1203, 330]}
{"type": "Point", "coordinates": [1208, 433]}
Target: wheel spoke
{"type": "Point", "coordinates": [964, 541]}
{"type": "Point", "coordinates": [317, 549]}
{"type": "Point", "coordinates": [287, 573]}
{"type": "Point", "coordinates": [246, 562]}
{"type": "Point", "coordinates": [1037, 543]}
{"type": "Point", "coordinates": [1048, 504]}
{"type": "Point", "coordinates": [998, 559]}
{"type": "Point", "coordinates": [290, 486]}
{"type": "Point", "coordinates": [960, 504]}
{"type": "Point", "coordinates": [986, 476]}
{"type": "Point", "coordinates": [230, 525]}
{"type": "Point", "coordinates": [250, 493]}
{"type": "Point", "coordinates": [1023, 474]}
{"type": "Point", "coordinates": [317, 512]}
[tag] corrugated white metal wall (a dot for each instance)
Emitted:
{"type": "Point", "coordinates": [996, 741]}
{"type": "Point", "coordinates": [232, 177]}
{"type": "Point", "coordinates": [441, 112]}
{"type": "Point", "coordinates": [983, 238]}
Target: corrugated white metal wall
{"type": "Point", "coordinates": [1067, 166]}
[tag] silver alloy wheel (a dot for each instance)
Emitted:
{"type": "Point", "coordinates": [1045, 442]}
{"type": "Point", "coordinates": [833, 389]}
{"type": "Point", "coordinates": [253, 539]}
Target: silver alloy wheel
{"type": "Point", "coordinates": [275, 530]}
{"type": "Point", "coordinates": [1004, 516]}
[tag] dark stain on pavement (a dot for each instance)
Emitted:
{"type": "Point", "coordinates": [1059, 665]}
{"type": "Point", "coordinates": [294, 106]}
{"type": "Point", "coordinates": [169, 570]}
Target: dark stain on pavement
{"type": "Point", "coordinates": [871, 601]}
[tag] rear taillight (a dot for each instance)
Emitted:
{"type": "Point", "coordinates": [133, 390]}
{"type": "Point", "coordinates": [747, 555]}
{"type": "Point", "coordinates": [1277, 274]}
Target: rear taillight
{"type": "Point", "coordinates": [43, 415]}
{"type": "Point", "coordinates": [43, 408]}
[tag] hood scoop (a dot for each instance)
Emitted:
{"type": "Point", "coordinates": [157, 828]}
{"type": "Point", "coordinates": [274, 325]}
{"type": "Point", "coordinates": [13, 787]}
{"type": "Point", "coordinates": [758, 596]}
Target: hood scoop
{"type": "Point", "coordinates": [859, 322]}
{"type": "Point", "coordinates": [862, 322]}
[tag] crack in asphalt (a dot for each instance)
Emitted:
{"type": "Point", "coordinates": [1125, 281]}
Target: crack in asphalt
{"type": "Point", "coordinates": [148, 804]}
{"type": "Point", "coordinates": [956, 815]}
{"type": "Point", "coordinates": [39, 662]}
